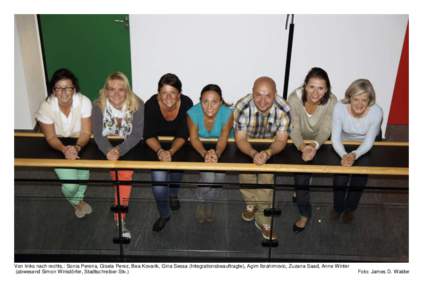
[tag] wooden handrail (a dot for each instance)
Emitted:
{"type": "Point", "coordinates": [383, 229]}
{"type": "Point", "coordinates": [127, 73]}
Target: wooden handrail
{"type": "Point", "coordinates": [232, 140]}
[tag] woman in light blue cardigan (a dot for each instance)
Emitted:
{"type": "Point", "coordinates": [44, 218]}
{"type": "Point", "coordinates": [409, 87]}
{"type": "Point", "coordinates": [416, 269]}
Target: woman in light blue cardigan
{"type": "Point", "coordinates": [356, 118]}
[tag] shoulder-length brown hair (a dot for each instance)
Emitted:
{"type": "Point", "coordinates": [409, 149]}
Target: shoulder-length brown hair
{"type": "Point", "coordinates": [319, 73]}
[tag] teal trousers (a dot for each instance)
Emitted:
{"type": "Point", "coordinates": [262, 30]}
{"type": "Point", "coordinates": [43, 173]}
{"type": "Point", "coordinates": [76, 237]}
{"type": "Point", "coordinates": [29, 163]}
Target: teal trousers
{"type": "Point", "coordinates": [73, 192]}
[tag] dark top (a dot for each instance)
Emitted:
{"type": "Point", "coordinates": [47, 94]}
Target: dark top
{"type": "Point", "coordinates": [129, 142]}
{"type": "Point", "coordinates": [156, 125]}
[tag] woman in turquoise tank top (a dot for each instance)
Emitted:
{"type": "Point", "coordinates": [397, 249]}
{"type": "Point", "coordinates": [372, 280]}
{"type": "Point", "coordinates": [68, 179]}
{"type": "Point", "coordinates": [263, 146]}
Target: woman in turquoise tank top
{"type": "Point", "coordinates": [211, 118]}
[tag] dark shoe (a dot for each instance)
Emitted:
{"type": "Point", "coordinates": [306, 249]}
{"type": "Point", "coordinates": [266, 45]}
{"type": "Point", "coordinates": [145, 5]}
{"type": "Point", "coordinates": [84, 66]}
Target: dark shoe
{"type": "Point", "coordinates": [297, 228]}
{"type": "Point", "coordinates": [174, 203]}
{"type": "Point", "coordinates": [334, 216]}
{"type": "Point", "coordinates": [347, 217]}
{"type": "Point", "coordinates": [160, 224]}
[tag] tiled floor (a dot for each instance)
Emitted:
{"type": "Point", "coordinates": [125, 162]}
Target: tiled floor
{"type": "Point", "coordinates": [45, 224]}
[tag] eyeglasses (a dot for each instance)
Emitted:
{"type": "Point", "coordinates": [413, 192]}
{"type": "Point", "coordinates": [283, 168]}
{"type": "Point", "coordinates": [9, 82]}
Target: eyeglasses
{"type": "Point", "coordinates": [67, 89]}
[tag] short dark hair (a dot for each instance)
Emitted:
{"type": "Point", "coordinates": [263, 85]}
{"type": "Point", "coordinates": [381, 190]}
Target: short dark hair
{"type": "Point", "coordinates": [60, 75]}
{"type": "Point", "coordinates": [317, 72]}
{"type": "Point", "coordinates": [170, 79]}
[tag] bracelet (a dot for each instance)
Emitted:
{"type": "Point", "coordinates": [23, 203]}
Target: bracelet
{"type": "Point", "coordinates": [316, 145]}
{"type": "Point", "coordinates": [159, 150]}
{"type": "Point", "coordinates": [269, 152]}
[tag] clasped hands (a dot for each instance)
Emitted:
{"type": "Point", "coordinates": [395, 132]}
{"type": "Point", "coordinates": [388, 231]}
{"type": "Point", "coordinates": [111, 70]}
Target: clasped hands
{"type": "Point", "coordinates": [348, 159]}
{"type": "Point", "coordinates": [70, 152]}
{"type": "Point", "coordinates": [113, 154]}
{"type": "Point", "coordinates": [308, 152]}
{"type": "Point", "coordinates": [260, 158]}
{"type": "Point", "coordinates": [211, 156]}
{"type": "Point", "coordinates": [164, 155]}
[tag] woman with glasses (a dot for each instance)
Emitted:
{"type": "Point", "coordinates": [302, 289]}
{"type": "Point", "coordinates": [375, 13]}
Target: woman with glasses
{"type": "Point", "coordinates": [66, 113]}
{"type": "Point", "coordinates": [118, 112]}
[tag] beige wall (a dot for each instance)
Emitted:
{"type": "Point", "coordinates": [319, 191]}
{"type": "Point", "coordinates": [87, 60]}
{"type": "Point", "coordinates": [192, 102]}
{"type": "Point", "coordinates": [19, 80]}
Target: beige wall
{"type": "Point", "coordinates": [30, 84]}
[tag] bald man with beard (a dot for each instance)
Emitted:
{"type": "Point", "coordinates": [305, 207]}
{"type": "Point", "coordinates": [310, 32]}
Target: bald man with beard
{"type": "Point", "coordinates": [262, 114]}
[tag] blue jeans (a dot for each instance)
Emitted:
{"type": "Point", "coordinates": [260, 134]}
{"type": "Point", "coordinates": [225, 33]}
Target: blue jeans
{"type": "Point", "coordinates": [210, 193]}
{"type": "Point", "coordinates": [163, 192]}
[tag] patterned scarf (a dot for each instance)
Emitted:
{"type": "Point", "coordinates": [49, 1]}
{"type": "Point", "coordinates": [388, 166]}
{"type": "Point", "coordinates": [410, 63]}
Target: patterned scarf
{"type": "Point", "coordinates": [117, 122]}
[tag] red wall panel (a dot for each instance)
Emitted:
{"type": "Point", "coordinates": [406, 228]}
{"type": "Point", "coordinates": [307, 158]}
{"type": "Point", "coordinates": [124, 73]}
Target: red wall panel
{"type": "Point", "coordinates": [399, 112]}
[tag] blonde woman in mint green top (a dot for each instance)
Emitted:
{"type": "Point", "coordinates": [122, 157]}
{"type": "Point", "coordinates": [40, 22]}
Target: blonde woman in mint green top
{"type": "Point", "coordinates": [211, 118]}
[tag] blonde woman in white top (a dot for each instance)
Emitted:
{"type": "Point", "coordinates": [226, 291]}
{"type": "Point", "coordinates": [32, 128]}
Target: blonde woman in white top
{"type": "Point", "coordinates": [66, 113]}
{"type": "Point", "coordinates": [355, 118]}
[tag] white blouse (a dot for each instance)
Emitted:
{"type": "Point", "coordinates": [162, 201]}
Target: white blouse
{"type": "Point", "coordinates": [66, 126]}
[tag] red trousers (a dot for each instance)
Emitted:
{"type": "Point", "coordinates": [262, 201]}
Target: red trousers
{"type": "Point", "coordinates": [124, 190]}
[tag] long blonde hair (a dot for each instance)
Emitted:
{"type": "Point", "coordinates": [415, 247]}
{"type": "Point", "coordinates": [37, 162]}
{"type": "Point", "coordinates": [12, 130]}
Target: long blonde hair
{"type": "Point", "coordinates": [131, 100]}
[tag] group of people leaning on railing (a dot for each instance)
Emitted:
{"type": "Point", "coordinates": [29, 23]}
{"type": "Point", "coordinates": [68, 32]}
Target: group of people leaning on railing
{"type": "Point", "coordinates": [310, 116]}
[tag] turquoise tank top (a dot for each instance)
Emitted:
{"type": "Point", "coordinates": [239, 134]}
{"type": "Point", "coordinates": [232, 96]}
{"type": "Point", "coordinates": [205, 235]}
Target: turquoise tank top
{"type": "Point", "coordinates": [197, 115]}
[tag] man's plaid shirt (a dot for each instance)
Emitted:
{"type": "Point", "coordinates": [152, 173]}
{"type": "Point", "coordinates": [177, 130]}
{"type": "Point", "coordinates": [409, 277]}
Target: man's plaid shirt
{"type": "Point", "coordinates": [257, 125]}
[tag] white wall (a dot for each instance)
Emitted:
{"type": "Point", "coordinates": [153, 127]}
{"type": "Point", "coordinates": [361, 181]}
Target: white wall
{"type": "Point", "coordinates": [229, 50]}
{"type": "Point", "coordinates": [30, 85]}
{"type": "Point", "coordinates": [232, 50]}
{"type": "Point", "coordinates": [349, 47]}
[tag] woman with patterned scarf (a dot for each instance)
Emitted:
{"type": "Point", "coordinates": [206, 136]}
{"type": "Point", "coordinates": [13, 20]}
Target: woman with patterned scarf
{"type": "Point", "coordinates": [118, 112]}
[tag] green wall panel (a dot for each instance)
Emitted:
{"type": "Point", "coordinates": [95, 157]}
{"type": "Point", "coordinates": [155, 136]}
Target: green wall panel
{"type": "Point", "coordinates": [91, 46]}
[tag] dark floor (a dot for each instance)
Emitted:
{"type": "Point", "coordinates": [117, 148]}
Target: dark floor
{"type": "Point", "coordinates": [45, 227]}
{"type": "Point", "coordinates": [45, 224]}
{"type": "Point", "coordinates": [397, 133]}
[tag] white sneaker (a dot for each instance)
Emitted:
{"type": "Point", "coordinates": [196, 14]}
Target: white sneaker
{"type": "Point", "coordinates": [125, 232]}
{"type": "Point", "coordinates": [266, 231]}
